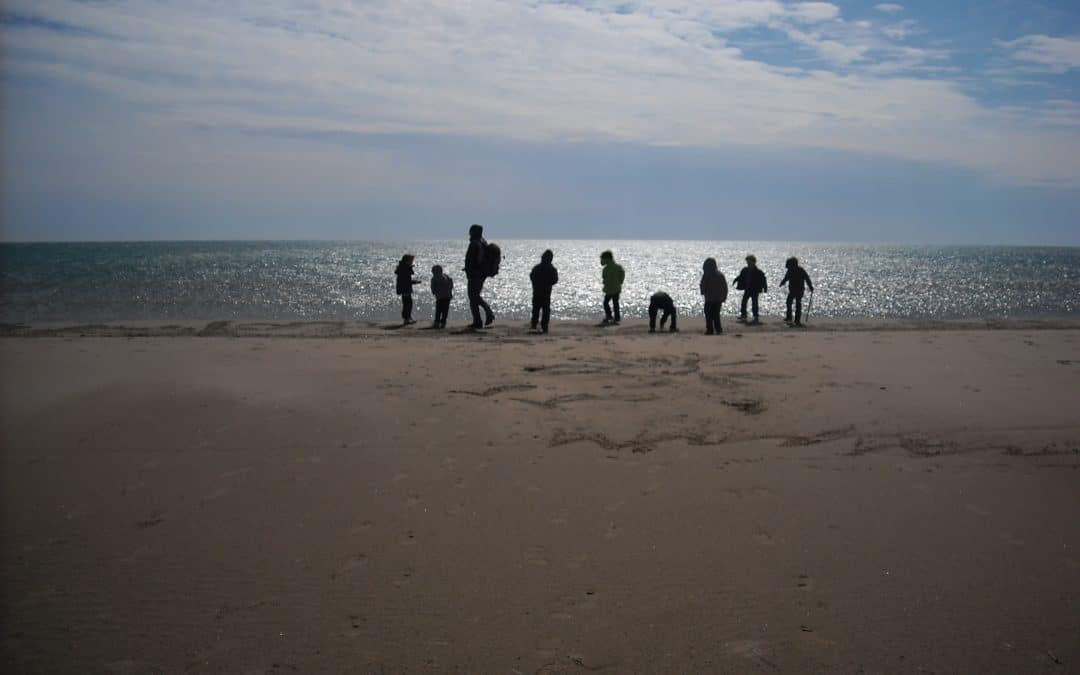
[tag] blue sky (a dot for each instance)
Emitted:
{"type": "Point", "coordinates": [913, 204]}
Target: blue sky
{"type": "Point", "coordinates": [921, 122]}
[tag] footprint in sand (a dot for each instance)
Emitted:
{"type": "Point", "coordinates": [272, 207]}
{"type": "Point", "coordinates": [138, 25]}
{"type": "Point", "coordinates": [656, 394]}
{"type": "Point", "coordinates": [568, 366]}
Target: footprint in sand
{"type": "Point", "coordinates": [560, 517]}
{"type": "Point", "coordinates": [1009, 538]}
{"type": "Point", "coordinates": [764, 538]}
{"type": "Point", "coordinates": [405, 579]}
{"type": "Point", "coordinates": [612, 508]}
{"type": "Point", "coordinates": [804, 583]}
{"type": "Point", "coordinates": [408, 539]}
{"type": "Point", "coordinates": [413, 500]}
{"type": "Point", "coordinates": [535, 557]}
{"type": "Point", "coordinates": [362, 527]}
{"type": "Point", "coordinates": [350, 564]}
{"type": "Point", "coordinates": [611, 532]}
{"type": "Point", "coordinates": [216, 494]}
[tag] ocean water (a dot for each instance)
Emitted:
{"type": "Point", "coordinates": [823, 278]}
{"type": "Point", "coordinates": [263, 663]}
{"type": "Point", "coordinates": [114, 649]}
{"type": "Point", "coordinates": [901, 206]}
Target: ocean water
{"type": "Point", "coordinates": [295, 280]}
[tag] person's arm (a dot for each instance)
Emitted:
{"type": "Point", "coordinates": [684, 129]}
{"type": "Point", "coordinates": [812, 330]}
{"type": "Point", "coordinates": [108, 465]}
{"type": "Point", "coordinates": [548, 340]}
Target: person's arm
{"type": "Point", "coordinates": [554, 276]}
{"type": "Point", "coordinates": [787, 276]}
{"type": "Point", "coordinates": [809, 284]}
{"type": "Point", "coordinates": [764, 283]}
{"type": "Point", "coordinates": [724, 289]}
{"type": "Point", "coordinates": [622, 275]}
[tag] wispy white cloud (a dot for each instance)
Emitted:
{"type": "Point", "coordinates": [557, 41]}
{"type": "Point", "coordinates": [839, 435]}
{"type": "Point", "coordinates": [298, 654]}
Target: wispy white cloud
{"type": "Point", "coordinates": [813, 12]}
{"type": "Point", "coordinates": [1058, 55]}
{"type": "Point", "coordinates": [889, 8]}
{"type": "Point", "coordinates": [669, 72]}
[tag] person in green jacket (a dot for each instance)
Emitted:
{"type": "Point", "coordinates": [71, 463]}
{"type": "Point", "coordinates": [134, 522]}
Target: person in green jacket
{"type": "Point", "coordinates": [613, 279]}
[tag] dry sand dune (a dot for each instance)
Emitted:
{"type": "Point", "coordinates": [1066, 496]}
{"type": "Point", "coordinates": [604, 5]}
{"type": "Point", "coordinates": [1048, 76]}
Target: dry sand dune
{"type": "Point", "coordinates": [860, 497]}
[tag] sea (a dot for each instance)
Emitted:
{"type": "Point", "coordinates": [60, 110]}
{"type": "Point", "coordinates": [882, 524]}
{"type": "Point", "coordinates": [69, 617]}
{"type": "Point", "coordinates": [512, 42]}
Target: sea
{"type": "Point", "coordinates": [354, 280]}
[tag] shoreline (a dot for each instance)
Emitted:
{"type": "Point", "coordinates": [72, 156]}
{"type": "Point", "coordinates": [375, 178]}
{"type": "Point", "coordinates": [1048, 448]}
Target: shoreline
{"type": "Point", "coordinates": [689, 326]}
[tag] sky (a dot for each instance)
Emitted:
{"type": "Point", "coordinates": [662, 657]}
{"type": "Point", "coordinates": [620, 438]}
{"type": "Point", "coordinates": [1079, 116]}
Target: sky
{"type": "Point", "coordinates": [917, 122]}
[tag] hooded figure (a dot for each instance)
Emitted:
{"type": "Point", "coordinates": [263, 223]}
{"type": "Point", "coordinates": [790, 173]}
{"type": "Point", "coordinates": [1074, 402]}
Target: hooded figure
{"type": "Point", "coordinates": [405, 282]}
{"type": "Point", "coordinates": [543, 277]}
{"type": "Point", "coordinates": [800, 281]}
{"type": "Point", "coordinates": [442, 287]}
{"type": "Point", "coordinates": [476, 273]}
{"type": "Point", "coordinates": [613, 280]}
{"type": "Point", "coordinates": [751, 281]}
{"type": "Point", "coordinates": [714, 288]}
{"type": "Point", "coordinates": [662, 302]}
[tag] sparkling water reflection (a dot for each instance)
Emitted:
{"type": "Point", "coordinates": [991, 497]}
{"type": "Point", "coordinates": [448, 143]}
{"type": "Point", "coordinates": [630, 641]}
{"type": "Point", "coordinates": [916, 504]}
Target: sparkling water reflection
{"type": "Point", "coordinates": [354, 280]}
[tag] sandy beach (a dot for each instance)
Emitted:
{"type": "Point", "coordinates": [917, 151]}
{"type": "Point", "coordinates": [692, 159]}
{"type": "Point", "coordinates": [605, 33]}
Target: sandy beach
{"type": "Point", "coordinates": [858, 497]}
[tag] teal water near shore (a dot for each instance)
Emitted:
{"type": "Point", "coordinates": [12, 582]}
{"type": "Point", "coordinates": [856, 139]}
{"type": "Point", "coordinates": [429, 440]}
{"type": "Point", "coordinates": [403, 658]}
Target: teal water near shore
{"type": "Point", "coordinates": [297, 280]}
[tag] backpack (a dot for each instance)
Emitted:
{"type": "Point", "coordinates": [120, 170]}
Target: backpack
{"type": "Point", "coordinates": [492, 258]}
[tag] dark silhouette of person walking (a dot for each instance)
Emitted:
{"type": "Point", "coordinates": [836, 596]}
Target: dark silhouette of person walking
{"type": "Point", "coordinates": [800, 281]}
{"type": "Point", "coordinates": [613, 277]}
{"type": "Point", "coordinates": [442, 287]}
{"type": "Point", "coordinates": [543, 277]}
{"type": "Point", "coordinates": [476, 272]}
{"type": "Point", "coordinates": [405, 282]}
{"type": "Point", "coordinates": [662, 302]}
{"type": "Point", "coordinates": [751, 281]}
{"type": "Point", "coordinates": [714, 288]}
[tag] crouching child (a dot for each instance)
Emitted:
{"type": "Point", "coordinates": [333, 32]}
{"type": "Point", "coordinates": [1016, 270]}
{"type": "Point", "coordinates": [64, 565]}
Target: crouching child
{"type": "Point", "coordinates": [661, 303]}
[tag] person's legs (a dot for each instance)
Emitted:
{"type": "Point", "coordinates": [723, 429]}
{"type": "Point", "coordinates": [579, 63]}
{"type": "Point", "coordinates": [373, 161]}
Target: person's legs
{"type": "Point", "coordinates": [653, 309]}
{"type": "Point", "coordinates": [537, 304]}
{"type": "Point", "coordinates": [716, 317]}
{"type": "Point", "coordinates": [615, 302]}
{"type": "Point", "coordinates": [442, 310]}
{"type": "Point", "coordinates": [406, 308]}
{"type": "Point", "coordinates": [745, 299]}
{"type": "Point", "coordinates": [798, 309]}
{"type": "Point", "coordinates": [710, 308]}
{"type": "Point", "coordinates": [754, 303]}
{"type": "Point", "coordinates": [475, 286]}
{"type": "Point", "coordinates": [787, 314]}
{"type": "Point", "coordinates": [545, 314]}
{"type": "Point", "coordinates": [607, 306]}
{"type": "Point", "coordinates": [673, 316]}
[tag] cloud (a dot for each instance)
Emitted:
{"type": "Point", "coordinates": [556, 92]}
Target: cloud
{"type": "Point", "coordinates": [670, 72]}
{"type": "Point", "coordinates": [813, 12]}
{"type": "Point", "coordinates": [889, 8]}
{"type": "Point", "coordinates": [1057, 55]}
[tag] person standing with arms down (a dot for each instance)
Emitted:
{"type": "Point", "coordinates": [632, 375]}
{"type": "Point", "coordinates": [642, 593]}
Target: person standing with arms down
{"type": "Point", "coordinates": [543, 277]}
{"type": "Point", "coordinates": [613, 280]}
{"type": "Point", "coordinates": [476, 272]}
{"type": "Point", "coordinates": [800, 281]}
{"type": "Point", "coordinates": [714, 288]}
{"type": "Point", "coordinates": [751, 281]}
{"type": "Point", "coordinates": [405, 282]}
{"type": "Point", "coordinates": [442, 287]}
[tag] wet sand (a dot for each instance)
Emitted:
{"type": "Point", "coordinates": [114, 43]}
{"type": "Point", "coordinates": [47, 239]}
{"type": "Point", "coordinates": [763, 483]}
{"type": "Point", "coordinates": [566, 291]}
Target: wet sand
{"type": "Point", "coordinates": [861, 496]}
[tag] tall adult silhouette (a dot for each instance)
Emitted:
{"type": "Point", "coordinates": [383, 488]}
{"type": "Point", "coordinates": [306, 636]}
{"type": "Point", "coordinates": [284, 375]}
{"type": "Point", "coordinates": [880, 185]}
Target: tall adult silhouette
{"type": "Point", "coordinates": [476, 272]}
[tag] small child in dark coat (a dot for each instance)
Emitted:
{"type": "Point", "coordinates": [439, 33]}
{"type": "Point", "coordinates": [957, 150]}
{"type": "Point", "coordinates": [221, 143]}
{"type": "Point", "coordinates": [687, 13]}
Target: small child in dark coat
{"type": "Point", "coordinates": [442, 287]}
{"type": "Point", "coordinates": [662, 302]}
{"type": "Point", "coordinates": [751, 281]}
{"type": "Point", "coordinates": [714, 288]}
{"type": "Point", "coordinates": [543, 277]}
{"type": "Point", "coordinates": [405, 282]}
{"type": "Point", "coordinates": [800, 281]}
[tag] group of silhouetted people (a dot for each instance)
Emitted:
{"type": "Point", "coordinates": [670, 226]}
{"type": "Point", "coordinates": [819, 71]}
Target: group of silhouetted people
{"type": "Point", "coordinates": [482, 260]}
